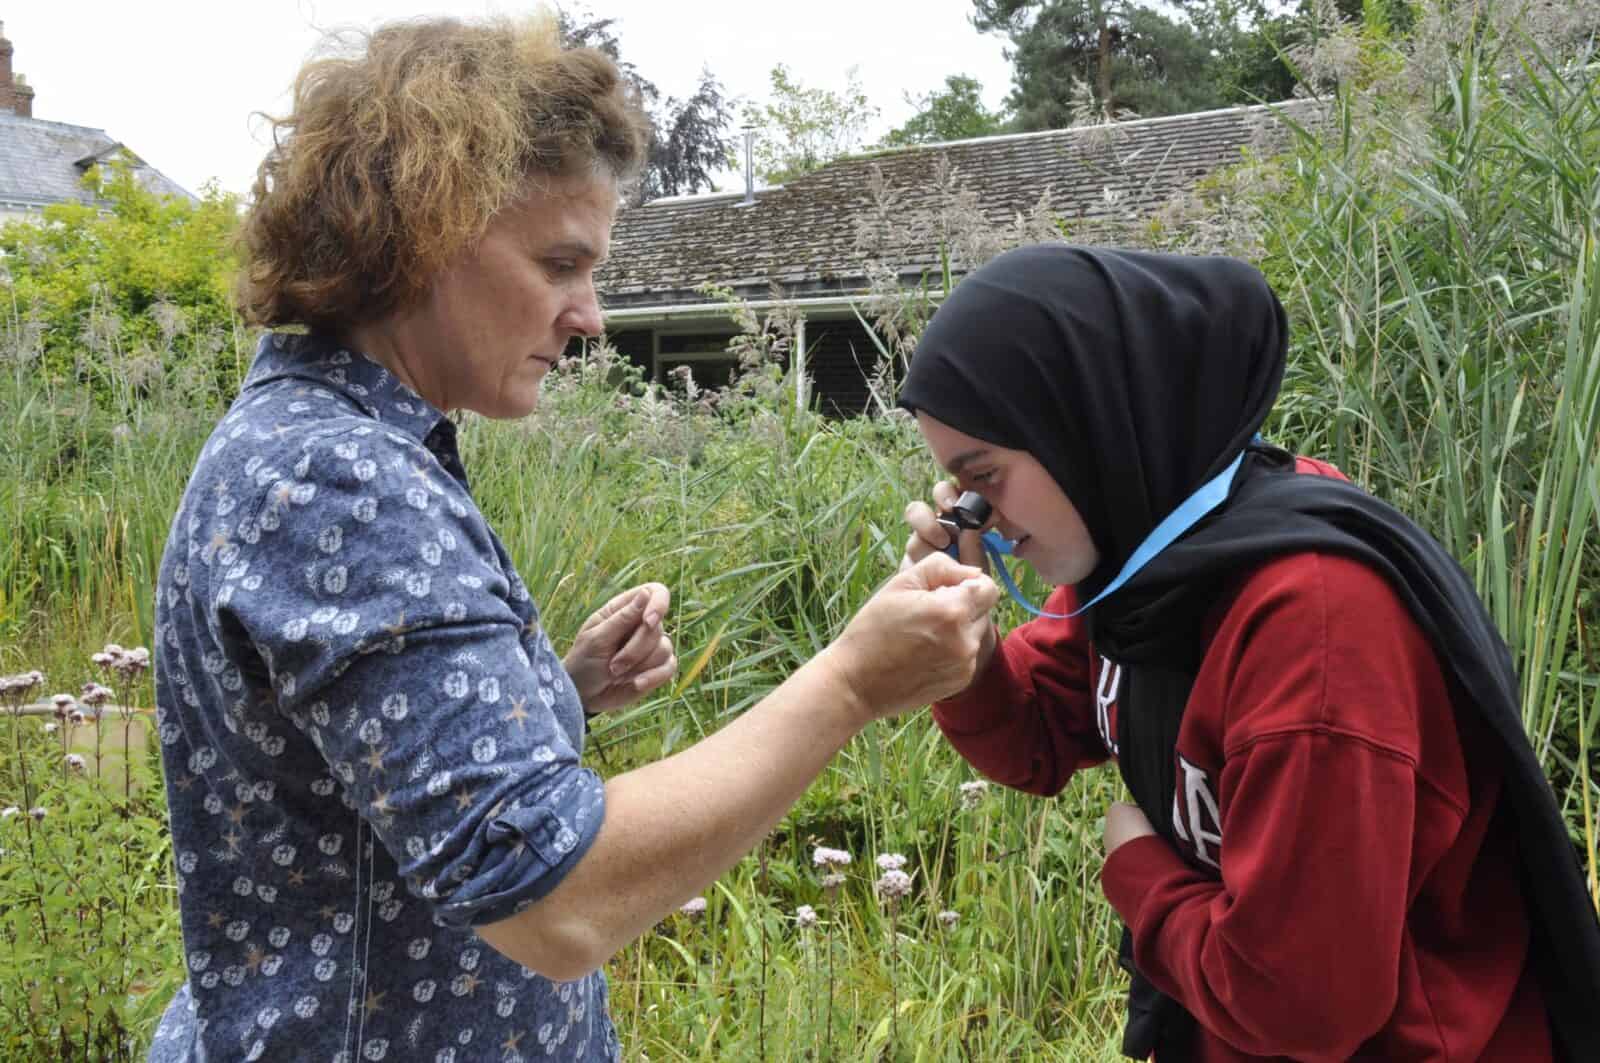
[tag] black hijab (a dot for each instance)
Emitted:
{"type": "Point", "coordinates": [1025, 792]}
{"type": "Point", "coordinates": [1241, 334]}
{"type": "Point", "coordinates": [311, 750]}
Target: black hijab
{"type": "Point", "coordinates": [1134, 378]}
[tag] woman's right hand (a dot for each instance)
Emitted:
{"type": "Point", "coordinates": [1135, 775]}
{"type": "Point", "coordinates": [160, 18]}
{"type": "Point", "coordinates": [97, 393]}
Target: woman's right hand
{"type": "Point", "coordinates": [928, 536]}
{"type": "Point", "coordinates": [673, 825]}
{"type": "Point", "coordinates": [919, 638]}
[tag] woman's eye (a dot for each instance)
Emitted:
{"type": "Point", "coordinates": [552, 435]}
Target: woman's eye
{"type": "Point", "coordinates": [562, 266]}
{"type": "Point", "coordinates": [981, 477]}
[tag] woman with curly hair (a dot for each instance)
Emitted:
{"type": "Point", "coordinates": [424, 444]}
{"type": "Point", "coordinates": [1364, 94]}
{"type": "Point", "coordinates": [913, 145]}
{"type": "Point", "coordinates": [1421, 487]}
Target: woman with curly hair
{"type": "Point", "coordinates": [387, 844]}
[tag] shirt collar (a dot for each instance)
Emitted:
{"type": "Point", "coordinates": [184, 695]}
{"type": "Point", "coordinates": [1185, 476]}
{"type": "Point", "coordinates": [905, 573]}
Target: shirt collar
{"type": "Point", "coordinates": [378, 392]}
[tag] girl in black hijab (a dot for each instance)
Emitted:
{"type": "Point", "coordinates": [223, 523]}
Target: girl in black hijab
{"type": "Point", "coordinates": [1342, 843]}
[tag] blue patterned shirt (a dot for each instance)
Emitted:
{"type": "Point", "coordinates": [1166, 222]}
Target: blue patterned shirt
{"type": "Point", "coordinates": [370, 746]}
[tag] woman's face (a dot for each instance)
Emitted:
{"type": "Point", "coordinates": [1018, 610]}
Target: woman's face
{"type": "Point", "coordinates": [498, 319]}
{"type": "Point", "coordinates": [1029, 506]}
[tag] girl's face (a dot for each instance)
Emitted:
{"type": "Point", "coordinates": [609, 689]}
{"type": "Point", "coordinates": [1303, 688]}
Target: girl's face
{"type": "Point", "coordinates": [1029, 506]}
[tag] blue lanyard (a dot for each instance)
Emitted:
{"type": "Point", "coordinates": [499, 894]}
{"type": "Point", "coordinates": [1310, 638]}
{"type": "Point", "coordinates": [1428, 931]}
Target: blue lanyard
{"type": "Point", "coordinates": [1211, 494]}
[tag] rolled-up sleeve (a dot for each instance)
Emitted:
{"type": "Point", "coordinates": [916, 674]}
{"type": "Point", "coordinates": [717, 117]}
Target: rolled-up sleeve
{"type": "Point", "coordinates": [396, 636]}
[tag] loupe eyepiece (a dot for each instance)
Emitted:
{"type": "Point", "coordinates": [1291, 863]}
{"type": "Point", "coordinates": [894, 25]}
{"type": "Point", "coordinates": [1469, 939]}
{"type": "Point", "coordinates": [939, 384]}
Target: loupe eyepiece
{"type": "Point", "coordinates": [971, 512]}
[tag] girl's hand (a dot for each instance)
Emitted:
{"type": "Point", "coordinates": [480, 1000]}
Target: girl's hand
{"type": "Point", "coordinates": [928, 536]}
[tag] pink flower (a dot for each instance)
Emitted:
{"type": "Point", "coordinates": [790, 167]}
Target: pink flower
{"type": "Point", "coordinates": [805, 917]}
{"type": "Point", "coordinates": [95, 694]}
{"type": "Point", "coordinates": [75, 761]}
{"type": "Point", "coordinates": [891, 862]}
{"type": "Point", "coordinates": [37, 814]}
{"type": "Point", "coordinates": [972, 793]}
{"type": "Point", "coordinates": [894, 884]}
{"type": "Point", "coordinates": [830, 858]}
{"type": "Point", "coordinates": [63, 704]}
{"type": "Point", "coordinates": [21, 685]}
{"type": "Point", "coordinates": [948, 919]}
{"type": "Point", "coordinates": [128, 663]}
{"type": "Point", "coordinates": [832, 880]}
{"type": "Point", "coordinates": [693, 906]}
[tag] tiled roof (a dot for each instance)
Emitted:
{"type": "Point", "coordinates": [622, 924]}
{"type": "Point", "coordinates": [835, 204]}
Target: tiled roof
{"type": "Point", "coordinates": [42, 162]}
{"type": "Point", "coordinates": [803, 235]}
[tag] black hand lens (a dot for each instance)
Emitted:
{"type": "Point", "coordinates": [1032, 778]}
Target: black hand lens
{"type": "Point", "coordinates": [971, 512]}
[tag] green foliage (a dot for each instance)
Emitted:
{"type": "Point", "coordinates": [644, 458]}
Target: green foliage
{"type": "Point", "coordinates": [1390, 17]}
{"type": "Point", "coordinates": [1436, 247]}
{"type": "Point", "coordinates": [1076, 60]}
{"type": "Point", "coordinates": [88, 488]}
{"type": "Point", "coordinates": [801, 128]}
{"type": "Point", "coordinates": [954, 113]}
{"type": "Point", "coordinates": [1249, 45]}
{"type": "Point", "coordinates": [688, 138]}
{"type": "Point", "coordinates": [91, 953]}
{"type": "Point", "coordinates": [132, 295]}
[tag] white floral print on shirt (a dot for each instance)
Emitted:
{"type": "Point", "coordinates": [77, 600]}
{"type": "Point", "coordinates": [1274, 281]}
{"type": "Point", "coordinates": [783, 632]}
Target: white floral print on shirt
{"type": "Point", "coordinates": [370, 745]}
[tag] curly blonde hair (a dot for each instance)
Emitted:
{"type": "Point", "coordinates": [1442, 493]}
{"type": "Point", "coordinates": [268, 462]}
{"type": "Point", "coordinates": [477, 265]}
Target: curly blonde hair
{"type": "Point", "coordinates": [396, 155]}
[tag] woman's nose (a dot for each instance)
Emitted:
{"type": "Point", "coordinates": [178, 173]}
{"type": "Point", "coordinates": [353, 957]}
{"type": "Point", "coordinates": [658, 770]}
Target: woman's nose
{"type": "Point", "coordinates": [583, 316]}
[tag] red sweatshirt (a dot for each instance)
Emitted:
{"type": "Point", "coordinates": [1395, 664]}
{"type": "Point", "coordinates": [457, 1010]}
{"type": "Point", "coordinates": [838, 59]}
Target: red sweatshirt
{"type": "Point", "coordinates": [1362, 900]}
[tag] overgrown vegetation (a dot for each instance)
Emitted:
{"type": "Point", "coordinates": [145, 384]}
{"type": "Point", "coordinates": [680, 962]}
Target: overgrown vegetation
{"type": "Point", "coordinates": [1435, 242]}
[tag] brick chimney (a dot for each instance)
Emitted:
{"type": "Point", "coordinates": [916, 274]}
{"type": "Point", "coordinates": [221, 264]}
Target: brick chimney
{"type": "Point", "coordinates": [8, 94]}
{"type": "Point", "coordinates": [16, 94]}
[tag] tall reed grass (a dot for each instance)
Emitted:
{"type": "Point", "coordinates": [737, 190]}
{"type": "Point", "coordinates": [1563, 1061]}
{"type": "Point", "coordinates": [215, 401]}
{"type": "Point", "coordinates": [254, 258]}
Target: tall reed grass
{"type": "Point", "coordinates": [1439, 254]}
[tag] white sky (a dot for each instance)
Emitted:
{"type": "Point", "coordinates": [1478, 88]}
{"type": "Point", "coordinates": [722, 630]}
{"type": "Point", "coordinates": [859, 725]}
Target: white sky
{"type": "Point", "coordinates": [178, 80]}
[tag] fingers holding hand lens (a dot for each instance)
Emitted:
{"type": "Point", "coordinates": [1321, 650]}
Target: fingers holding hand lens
{"type": "Point", "coordinates": [929, 536]}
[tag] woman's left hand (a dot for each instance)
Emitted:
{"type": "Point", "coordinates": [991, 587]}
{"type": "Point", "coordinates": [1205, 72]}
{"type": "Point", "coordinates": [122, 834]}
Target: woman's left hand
{"type": "Point", "coordinates": [621, 652]}
{"type": "Point", "coordinates": [1124, 823]}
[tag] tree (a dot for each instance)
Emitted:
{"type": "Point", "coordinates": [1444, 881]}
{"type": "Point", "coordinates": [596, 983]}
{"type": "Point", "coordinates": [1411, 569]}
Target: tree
{"type": "Point", "coordinates": [1133, 57]}
{"type": "Point", "coordinates": [688, 138]}
{"type": "Point", "coordinates": [688, 142]}
{"type": "Point", "coordinates": [955, 113]}
{"type": "Point", "coordinates": [1251, 43]}
{"type": "Point", "coordinates": [806, 127]}
{"type": "Point", "coordinates": [1392, 16]}
{"type": "Point", "coordinates": [118, 283]}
